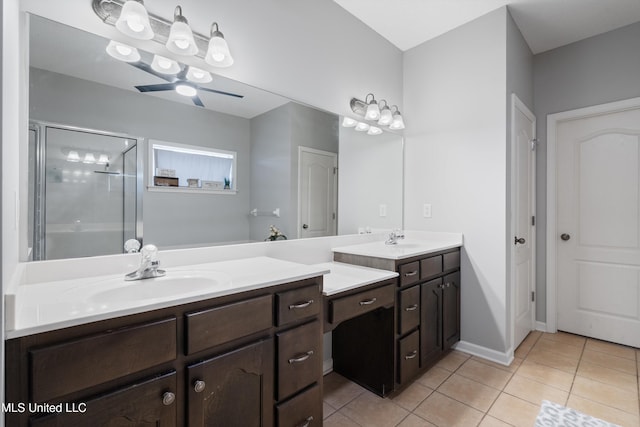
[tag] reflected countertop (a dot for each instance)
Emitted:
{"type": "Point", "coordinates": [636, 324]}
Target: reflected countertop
{"type": "Point", "coordinates": [414, 244]}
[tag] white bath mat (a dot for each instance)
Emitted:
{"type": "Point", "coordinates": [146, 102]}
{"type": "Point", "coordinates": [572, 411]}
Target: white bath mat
{"type": "Point", "coordinates": [554, 415]}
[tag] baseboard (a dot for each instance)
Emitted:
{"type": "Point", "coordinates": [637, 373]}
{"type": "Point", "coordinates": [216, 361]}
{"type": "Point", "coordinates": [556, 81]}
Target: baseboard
{"type": "Point", "coordinates": [503, 358]}
{"type": "Point", "coordinates": [327, 366]}
{"type": "Point", "coordinates": [541, 326]}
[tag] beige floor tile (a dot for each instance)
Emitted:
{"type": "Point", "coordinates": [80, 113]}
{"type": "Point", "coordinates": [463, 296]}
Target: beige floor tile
{"type": "Point", "coordinates": [489, 421]}
{"type": "Point", "coordinates": [412, 396]}
{"type": "Point", "coordinates": [444, 411]}
{"type": "Point", "coordinates": [603, 412]}
{"type": "Point", "coordinates": [485, 374]}
{"type": "Point", "coordinates": [415, 421]}
{"type": "Point", "coordinates": [532, 338]}
{"type": "Point", "coordinates": [606, 394]}
{"type": "Point", "coordinates": [566, 350]}
{"type": "Point", "coordinates": [511, 368]}
{"type": "Point", "coordinates": [339, 420]}
{"type": "Point", "coordinates": [553, 360]}
{"type": "Point", "coordinates": [452, 361]}
{"type": "Point", "coordinates": [611, 348]}
{"type": "Point", "coordinates": [327, 410]}
{"type": "Point", "coordinates": [514, 411]}
{"type": "Point", "coordinates": [565, 338]}
{"type": "Point", "coordinates": [469, 392]}
{"type": "Point", "coordinates": [371, 410]}
{"type": "Point", "coordinates": [338, 391]}
{"type": "Point", "coordinates": [608, 376]}
{"type": "Point", "coordinates": [535, 392]}
{"type": "Point", "coordinates": [610, 361]}
{"type": "Point", "coordinates": [546, 375]}
{"type": "Point", "coordinates": [522, 352]}
{"type": "Point", "coordinates": [433, 377]}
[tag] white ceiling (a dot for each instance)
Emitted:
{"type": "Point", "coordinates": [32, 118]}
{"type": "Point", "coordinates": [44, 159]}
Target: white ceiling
{"type": "Point", "coordinates": [545, 24]}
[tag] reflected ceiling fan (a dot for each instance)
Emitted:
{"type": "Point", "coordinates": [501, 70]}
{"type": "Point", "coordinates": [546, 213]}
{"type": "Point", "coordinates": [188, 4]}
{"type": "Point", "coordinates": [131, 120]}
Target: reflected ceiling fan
{"type": "Point", "coordinates": [178, 82]}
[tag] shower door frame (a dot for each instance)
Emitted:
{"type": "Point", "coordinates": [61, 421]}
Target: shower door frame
{"type": "Point", "coordinates": [39, 192]}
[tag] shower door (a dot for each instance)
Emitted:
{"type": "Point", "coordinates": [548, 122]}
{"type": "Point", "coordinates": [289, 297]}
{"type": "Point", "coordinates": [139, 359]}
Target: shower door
{"type": "Point", "coordinates": [87, 186]}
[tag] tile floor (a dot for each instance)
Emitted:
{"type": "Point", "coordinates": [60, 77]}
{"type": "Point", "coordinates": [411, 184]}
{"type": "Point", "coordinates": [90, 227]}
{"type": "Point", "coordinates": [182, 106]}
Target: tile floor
{"type": "Point", "coordinates": [591, 376]}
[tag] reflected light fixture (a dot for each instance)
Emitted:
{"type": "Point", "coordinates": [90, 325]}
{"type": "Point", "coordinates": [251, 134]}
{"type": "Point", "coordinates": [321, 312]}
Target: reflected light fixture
{"type": "Point", "coordinates": [218, 53]}
{"type": "Point", "coordinates": [386, 117]}
{"type": "Point", "coordinates": [373, 111]}
{"type": "Point", "coordinates": [348, 122]}
{"type": "Point", "coordinates": [164, 65]}
{"type": "Point", "coordinates": [186, 90]}
{"type": "Point", "coordinates": [89, 158]}
{"type": "Point", "coordinates": [197, 75]}
{"type": "Point", "coordinates": [362, 127]}
{"type": "Point", "coordinates": [134, 20]}
{"type": "Point", "coordinates": [103, 159]}
{"type": "Point", "coordinates": [73, 156]}
{"type": "Point", "coordinates": [398, 121]}
{"type": "Point", "coordinates": [181, 39]}
{"type": "Point", "coordinates": [123, 52]}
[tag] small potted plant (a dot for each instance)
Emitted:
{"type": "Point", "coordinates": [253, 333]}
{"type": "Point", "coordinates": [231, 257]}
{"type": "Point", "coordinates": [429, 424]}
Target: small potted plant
{"type": "Point", "coordinates": [275, 234]}
{"type": "Point", "coordinates": [227, 184]}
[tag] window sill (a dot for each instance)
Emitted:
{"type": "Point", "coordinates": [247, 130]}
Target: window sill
{"type": "Point", "coordinates": [198, 190]}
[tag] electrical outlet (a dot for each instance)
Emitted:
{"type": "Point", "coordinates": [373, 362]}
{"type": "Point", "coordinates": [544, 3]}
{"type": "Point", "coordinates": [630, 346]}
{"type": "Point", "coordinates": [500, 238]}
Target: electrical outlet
{"type": "Point", "coordinates": [426, 210]}
{"type": "Point", "coordinates": [383, 210]}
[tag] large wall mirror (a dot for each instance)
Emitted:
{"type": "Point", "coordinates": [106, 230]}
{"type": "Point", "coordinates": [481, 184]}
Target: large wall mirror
{"type": "Point", "coordinates": [94, 121]}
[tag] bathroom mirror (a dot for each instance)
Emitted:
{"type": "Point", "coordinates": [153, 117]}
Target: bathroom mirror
{"type": "Point", "coordinates": [80, 94]}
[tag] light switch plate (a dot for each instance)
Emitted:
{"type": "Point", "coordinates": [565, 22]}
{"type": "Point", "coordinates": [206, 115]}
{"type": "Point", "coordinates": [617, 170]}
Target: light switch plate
{"type": "Point", "coordinates": [383, 210]}
{"type": "Point", "coordinates": [426, 210]}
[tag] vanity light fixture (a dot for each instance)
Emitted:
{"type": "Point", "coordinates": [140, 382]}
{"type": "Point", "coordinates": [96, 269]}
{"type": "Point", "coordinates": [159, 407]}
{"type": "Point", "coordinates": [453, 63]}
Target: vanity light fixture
{"type": "Point", "coordinates": [73, 156]}
{"type": "Point", "coordinates": [386, 117]}
{"type": "Point", "coordinates": [103, 159]}
{"type": "Point", "coordinates": [197, 75]}
{"type": "Point", "coordinates": [373, 111]}
{"type": "Point", "coordinates": [398, 121]}
{"type": "Point", "coordinates": [134, 20]}
{"type": "Point", "coordinates": [181, 39]}
{"type": "Point", "coordinates": [164, 65]}
{"type": "Point", "coordinates": [362, 127]}
{"type": "Point", "coordinates": [123, 52]}
{"type": "Point", "coordinates": [218, 53]}
{"type": "Point", "coordinates": [380, 113]}
{"type": "Point", "coordinates": [89, 158]}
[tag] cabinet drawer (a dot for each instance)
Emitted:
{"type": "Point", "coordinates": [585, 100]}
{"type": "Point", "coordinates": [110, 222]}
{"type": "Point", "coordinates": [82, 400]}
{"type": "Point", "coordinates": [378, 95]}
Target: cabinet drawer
{"type": "Point", "coordinates": [451, 260]}
{"type": "Point", "coordinates": [75, 365]}
{"type": "Point", "coordinates": [302, 410]}
{"type": "Point", "coordinates": [298, 304]}
{"type": "Point", "coordinates": [153, 399]}
{"type": "Point", "coordinates": [354, 305]}
{"type": "Point", "coordinates": [408, 357]}
{"type": "Point", "coordinates": [409, 273]}
{"type": "Point", "coordinates": [299, 358]}
{"type": "Point", "coordinates": [208, 328]}
{"type": "Point", "coordinates": [409, 309]}
{"type": "Point", "coordinates": [430, 267]}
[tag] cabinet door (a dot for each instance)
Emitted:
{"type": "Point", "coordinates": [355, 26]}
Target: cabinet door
{"type": "Point", "coordinates": [431, 321]}
{"type": "Point", "coordinates": [234, 389]}
{"type": "Point", "coordinates": [451, 309]}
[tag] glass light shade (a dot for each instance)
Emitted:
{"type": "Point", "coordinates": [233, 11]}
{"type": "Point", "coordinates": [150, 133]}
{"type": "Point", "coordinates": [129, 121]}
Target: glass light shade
{"type": "Point", "coordinates": [397, 123]}
{"type": "Point", "coordinates": [348, 122]}
{"type": "Point", "coordinates": [73, 156]}
{"type": "Point", "coordinates": [134, 21]}
{"type": "Point", "coordinates": [181, 39]}
{"type": "Point", "coordinates": [89, 158]}
{"type": "Point", "coordinates": [218, 53]}
{"type": "Point", "coordinates": [102, 160]}
{"type": "Point", "coordinates": [164, 65]}
{"type": "Point", "coordinates": [386, 117]}
{"type": "Point", "coordinates": [123, 52]}
{"type": "Point", "coordinates": [374, 130]}
{"type": "Point", "coordinates": [186, 90]}
{"type": "Point", "coordinates": [373, 111]}
{"type": "Point", "coordinates": [362, 127]}
{"type": "Point", "coordinates": [197, 75]}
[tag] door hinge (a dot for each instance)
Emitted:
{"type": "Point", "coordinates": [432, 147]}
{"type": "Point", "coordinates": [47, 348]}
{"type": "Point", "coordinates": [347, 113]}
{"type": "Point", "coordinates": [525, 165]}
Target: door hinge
{"type": "Point", "coordinates": [335, 170]}
{"type": "Point", "coordinates": [533, 296]}
{"type": "Point", "coordinates": [534, 143]}
{"type": "Point", "coordinates": [334, 215]}
{"type": "Point", "coordinates": [533, 220]}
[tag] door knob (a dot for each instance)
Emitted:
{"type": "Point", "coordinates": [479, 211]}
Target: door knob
{"type": "Point", "coordinates": [565, 236]}
{"type": "Point", "coordinates": [520, 240]}
{"type": "Point", "coordinates": [305, 226]}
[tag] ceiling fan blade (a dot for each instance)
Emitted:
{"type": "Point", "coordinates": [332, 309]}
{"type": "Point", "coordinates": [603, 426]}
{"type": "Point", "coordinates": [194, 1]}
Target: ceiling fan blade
{"type": "Point", "coordinates": [196, 100]}
{"type": "Point", "coordinates": [235, 95]}
{"type": "Point", "coordinates": [147, 68]}
{"type": "Point", "coordinates": [156, 88]}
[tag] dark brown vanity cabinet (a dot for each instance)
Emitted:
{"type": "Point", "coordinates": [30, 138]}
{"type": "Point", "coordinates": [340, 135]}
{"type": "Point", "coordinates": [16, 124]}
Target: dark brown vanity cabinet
{"type": "Point", "coordinates": [249, 359]}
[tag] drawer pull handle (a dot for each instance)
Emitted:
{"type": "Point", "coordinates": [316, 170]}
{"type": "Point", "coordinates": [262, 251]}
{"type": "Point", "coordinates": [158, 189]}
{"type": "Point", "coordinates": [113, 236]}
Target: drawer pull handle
{"type": "Point", "coordinates": [301, 305]}
{"type": "Point", "coordinates": [411, 355]}
{"type": "Point", "coordinates": [168, 398]}
{"type": "Point", "coordinates": [199, 386]}
{"type": "Point", "coordinates": [306, 422]}
{"type": "Point", "coordinates": [411, 273]}
{"type": "Point", "coordinates": [447, 285]}
{"type": "Point", "coordinates": [369, 301]}
{"type": "Point", "coordinates": [301, 358]}
{"type": "Point", "coordinates": [411, 307]}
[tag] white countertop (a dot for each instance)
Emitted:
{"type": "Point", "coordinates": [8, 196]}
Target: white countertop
{"type": "Point", "coordinates": [405, 248]}
{"type": "Point", "coordinates": [53, 305]}
{"type": "Point", "coordinates": [344, 277]}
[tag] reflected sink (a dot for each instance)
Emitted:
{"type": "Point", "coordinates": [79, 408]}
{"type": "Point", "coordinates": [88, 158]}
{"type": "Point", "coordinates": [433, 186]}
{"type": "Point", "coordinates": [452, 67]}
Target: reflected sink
{"type": "Point", "coordinates": [175, 285]}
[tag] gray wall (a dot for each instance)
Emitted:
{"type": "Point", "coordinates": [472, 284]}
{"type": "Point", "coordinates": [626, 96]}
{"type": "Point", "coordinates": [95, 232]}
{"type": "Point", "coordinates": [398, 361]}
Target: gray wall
{"type": "Point", "coordinates": [170, 219]}
{"type": "Point", "coordinates": [593, 71]}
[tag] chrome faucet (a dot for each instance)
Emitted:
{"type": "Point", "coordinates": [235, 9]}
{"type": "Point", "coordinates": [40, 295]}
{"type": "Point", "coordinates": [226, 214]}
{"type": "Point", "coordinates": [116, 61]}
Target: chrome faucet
{"type": "Point", "coordinates": [394, 236]}
{"type": "Point", "coordinates": [148, 265]}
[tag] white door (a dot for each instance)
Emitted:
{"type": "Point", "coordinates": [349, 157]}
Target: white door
{"type": "Point", "coordinates": [523, 145]}
{"type": "Point", "coordinates": [597, 226]}
{"type": "Point", "coordinates": [317, 193]}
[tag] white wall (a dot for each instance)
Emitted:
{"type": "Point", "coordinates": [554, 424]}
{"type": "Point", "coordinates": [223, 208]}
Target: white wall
{"type": "Point", "coordinates": [456, 160]}
{"type": "Point", "coordinates": [593, 71]}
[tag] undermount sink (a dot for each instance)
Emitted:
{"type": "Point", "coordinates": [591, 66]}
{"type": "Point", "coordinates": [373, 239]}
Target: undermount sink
{"type": "Point", "coordinates": [171, 285]}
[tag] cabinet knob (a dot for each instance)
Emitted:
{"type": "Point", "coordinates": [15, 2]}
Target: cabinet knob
{"type": "Point", "coordinates": [565, 236]}
{"type": "Point", "coordinates": [199, 386]}
{"type": "Point", "coordinates": [520, 240]}
{"type": "Point", "coordinates": [168, 398]}
{"type": "Point", "coordinates": [306, 422]}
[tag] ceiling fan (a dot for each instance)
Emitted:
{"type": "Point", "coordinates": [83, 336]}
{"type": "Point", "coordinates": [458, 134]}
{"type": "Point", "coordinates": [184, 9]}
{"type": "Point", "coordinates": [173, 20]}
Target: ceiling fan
{"type": "Point", "coordinates": [178, 82]}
